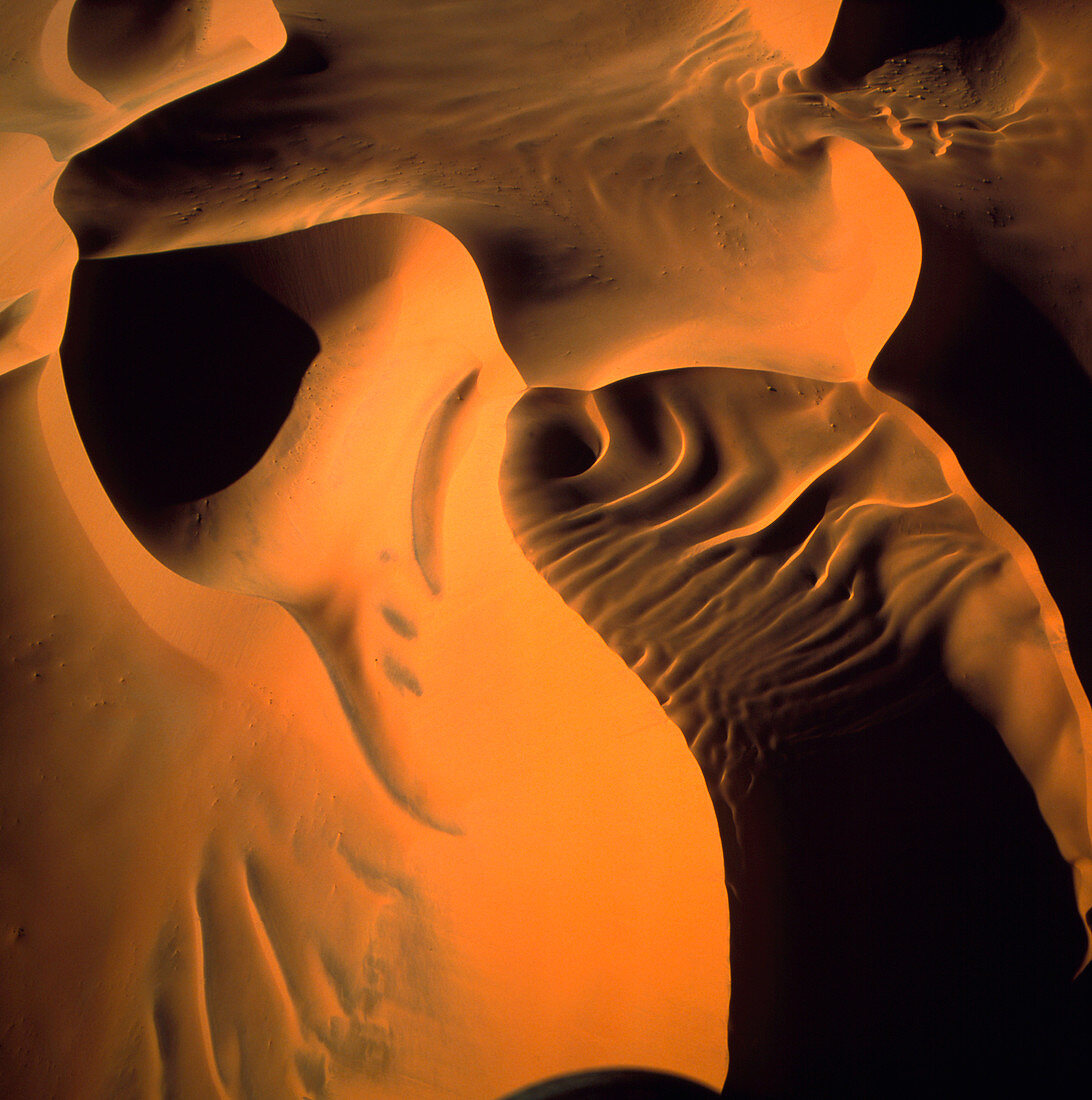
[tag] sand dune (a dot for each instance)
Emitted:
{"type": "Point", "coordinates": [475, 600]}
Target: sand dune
{"type": "Point", "coordinates": [618, 216]}
{"type": "Point", "coordinates": [311, 783]}
{"type": "Point", "coordinates": [445, 880]}
{"type": "Point", "coordinates": [785, 564]}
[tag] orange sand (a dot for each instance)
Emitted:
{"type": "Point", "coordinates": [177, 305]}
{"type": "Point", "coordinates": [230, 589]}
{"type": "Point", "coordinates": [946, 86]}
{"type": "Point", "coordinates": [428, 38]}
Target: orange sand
{"type": "Point", "coordinates": [313, 784]}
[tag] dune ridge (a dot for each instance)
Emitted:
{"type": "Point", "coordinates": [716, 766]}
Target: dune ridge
{"type": "Point", "coordinates": [226, 977]}
{"type": "Point", "coordinates": [175, 756]}
{"type": "Point", "coordinates": [617, 217]}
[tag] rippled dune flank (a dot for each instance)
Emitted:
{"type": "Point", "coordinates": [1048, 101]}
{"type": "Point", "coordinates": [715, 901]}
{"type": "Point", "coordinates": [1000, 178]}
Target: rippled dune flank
{"type": "Point", "coordinates": [618, 215]}
{"type": "Point", "coordinates": [310, 783]}
{"type": "Point", "coordinates": [806, 586]}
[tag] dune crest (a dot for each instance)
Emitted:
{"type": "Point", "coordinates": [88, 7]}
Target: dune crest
{"type": "Point", "coordinates": [157, 810]}
{"type": "Point", "coordinates": [820, 545]}
{"type": "Point", "coordinates": [364, 977]}
{"type": "Point", "coordinates": [618, 217]}
{"type": "Point", "coordinates": [964, 92]}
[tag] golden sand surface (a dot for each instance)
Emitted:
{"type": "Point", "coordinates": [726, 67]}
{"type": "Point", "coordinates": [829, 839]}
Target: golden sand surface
{"type": "Point", "coordinates": [423, 423]}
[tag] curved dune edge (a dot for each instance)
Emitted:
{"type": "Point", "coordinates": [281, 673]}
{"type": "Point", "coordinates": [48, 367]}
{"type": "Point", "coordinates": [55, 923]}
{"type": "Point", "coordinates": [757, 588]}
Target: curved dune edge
{"type": "Point", "coordinates": [252, 713]}
{"type": "Point", "coordinates": [714, 526]}
{"type": "Point", "coordinates": [1053, 771]}
{"type": "Point", "coordinates": [620, 219]}
{"type": "Point", "coordinates": [49, 113]}
{"type": "Point", "coordinates": [385, 992]}
{"type": "Point", "coordinates": [804, 579]}
{"type": "Point", "coordinates": [155, 936]}
{"type": "Point", "coordinates": [86, 72]}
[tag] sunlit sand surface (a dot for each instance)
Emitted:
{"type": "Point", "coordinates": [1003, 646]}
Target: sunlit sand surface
{"type": "Point", "coordinates": [365, 892]}
{"type": "Point", "coordinates": [460, 411]}
{"type": "Point", "coordinates": [617, 219]}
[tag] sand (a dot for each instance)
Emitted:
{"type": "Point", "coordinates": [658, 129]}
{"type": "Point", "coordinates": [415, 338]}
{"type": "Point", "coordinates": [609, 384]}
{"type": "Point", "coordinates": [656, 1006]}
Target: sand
{"type": "Point", "coordinates": [789, 568]}
{"type": "Point", "coordinates": [458, 413]}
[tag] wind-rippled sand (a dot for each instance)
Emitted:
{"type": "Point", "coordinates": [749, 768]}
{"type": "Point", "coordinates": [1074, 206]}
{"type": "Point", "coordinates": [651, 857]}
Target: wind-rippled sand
{"type": "Point", "coordinates": [321, 774]}
{"type": "Point", "coordinates": [806, 587]}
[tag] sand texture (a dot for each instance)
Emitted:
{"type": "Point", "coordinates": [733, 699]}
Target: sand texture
{"type": "Point", "coordinates": [545, 538]}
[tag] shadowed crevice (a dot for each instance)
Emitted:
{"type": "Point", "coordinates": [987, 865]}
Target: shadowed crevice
{"type": "Point", "coordinates": [869, 32]}
{"type": "Point", "coordinates": [977, 361]}
{"type": "Point", "coordinates": [180, 373]}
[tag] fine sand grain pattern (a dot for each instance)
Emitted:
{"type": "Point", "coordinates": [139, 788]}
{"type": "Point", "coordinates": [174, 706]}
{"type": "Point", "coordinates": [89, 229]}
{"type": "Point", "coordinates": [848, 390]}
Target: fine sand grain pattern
{"type": "Point", "coordinates": [421, 424]}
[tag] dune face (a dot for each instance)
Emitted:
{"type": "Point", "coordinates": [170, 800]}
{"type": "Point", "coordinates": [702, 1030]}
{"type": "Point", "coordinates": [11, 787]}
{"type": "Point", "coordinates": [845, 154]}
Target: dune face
{"type": "Point", "coordinates": [214, 882]}
{"type": "Point", "coordinates": [986, 132]}
{"type": "Point", "coordinates": [351, 729]}
{"type": "Point", "coordinates": [618, 216]}
{"type": "Point", "coordinates": [342, 675]}
{"type": "Point", "coordinates": [786, 565]}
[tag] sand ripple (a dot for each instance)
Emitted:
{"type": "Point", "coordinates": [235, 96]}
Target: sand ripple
{"type": "Point", "coordinates": [817, 598]}
{"type": "Point", "coordinates": [781, 560]}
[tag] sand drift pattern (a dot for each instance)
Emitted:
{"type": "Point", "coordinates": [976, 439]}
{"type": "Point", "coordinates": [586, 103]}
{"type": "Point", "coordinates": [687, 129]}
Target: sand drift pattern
{"type": "Point", "coordinates": [368, 809]}
{"type": "Point", "coordinates": [818, 599]}
{"type": "Point", "coordinates": [972, 91]}
{"type": "Point", "coordinates": [782, 560]}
